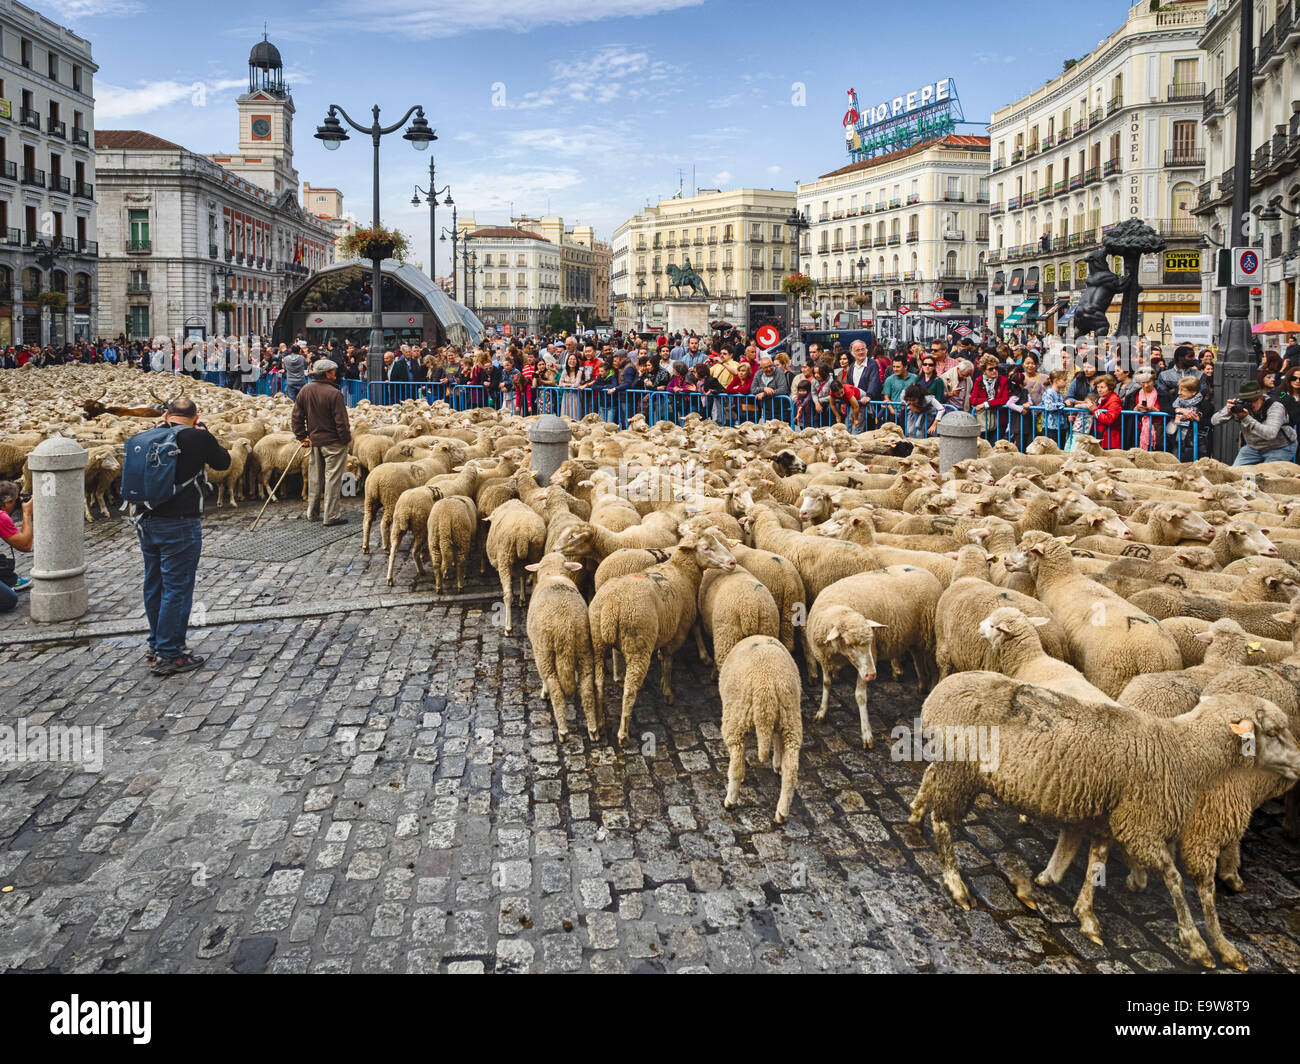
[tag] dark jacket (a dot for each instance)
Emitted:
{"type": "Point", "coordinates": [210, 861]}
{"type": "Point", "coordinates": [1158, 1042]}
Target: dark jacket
{"type": "Point", "coordinates": [321, 415]}
{"type": "Point", "coordinates": [866, 379]}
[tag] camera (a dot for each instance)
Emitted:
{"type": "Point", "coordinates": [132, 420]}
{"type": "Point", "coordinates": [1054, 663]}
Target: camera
{"type": "Point", "coordinates": [1236, 406]}
{"type": "Point", "coordinates": [24, 496]}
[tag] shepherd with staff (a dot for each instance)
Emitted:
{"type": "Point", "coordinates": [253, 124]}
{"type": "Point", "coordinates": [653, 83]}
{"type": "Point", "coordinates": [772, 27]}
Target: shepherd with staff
{"type": "Point", "coordinates": [320, 422]}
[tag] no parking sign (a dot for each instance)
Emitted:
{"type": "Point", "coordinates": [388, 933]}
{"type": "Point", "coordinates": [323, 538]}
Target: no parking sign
{"type": "Point", "coordinates": [1245, 266]}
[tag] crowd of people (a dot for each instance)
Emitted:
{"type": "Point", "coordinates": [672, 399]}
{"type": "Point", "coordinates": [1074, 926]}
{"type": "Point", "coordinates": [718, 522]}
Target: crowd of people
{"type": "Point", "coordinates": [1003, 384]}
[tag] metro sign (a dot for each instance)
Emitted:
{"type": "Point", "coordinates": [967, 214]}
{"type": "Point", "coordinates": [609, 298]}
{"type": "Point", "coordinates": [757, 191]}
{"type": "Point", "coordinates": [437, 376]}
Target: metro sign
{"type": "Point", "coordinates": [904, 309]}
{"type": "Point", "coordinates": [963, 330]}
{"type": "Point", "coordinates": [940, 303]}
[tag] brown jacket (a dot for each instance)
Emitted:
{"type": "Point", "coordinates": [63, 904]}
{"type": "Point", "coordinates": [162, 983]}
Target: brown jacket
{"type": "Point", "coordinates": [320, 408]}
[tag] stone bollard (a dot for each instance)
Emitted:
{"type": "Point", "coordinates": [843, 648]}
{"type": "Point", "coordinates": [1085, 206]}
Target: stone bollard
{"type": "Point", "coordinates": [549, 436]}
{"type": "Point", "coordinates": [959, 434]}
{"type": "Point", "coordinates": [58, 590]}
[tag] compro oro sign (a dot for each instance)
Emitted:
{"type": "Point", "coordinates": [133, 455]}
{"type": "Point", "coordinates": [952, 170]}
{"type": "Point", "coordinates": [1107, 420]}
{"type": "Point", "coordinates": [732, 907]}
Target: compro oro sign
{"type": "Point", "coordinates": [1195, 329]}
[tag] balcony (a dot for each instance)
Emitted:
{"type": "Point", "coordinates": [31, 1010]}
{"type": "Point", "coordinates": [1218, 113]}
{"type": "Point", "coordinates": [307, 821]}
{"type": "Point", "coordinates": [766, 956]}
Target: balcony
{"type": "Point", "coordinates": [851, 245]}
{"type": "Point", "coordinates": [1095, 116]}
{"type": "Point", "coordinates": [954, 197]}
{"type": "Point", "coordinates": [1092, 175]}
{"type": "Point", "coordinates": [1179, 228]}
{"type": "Point", "coordinates": [89, 248]}
{"type": "Point", "coordinates": [1013, 204]}
{"type": "Point", "coordinates": [954, 234]}
{"type": "Point", "coordinates": [995, 209]}
{"type": "Point", "coordinates": [32, 176]}
{"type": "Point", "coordinates": [911, 275]}
{"type": "Point", "coordinates": [1044, 193]}
{"type": "Point", "coordinates": [1064, 135]}
{"type": "Point", "coordinates": [1213, 105]}
{"type": "Point", "coordinates": [1028, 199]}
{"type": "Point", "coordinates": [1017, 156]}
{"type": "Point", "coordinates": [882, 206]}
{"type": "Point", "coordinates": [982, 236]}
{"type": "Point", "coordinates": [1031, 150]}
{"type": "Point", "coordinates": [15, 237]}
{"type": "Point", "coordinates": [1186, 90]}
{"type": "Point", "coordinates": [57, 129]}
{"type": "Point", "coordinates": [1059, 243]}
{"type": "Point", "coordinates": [1225, 182]}
{"type": "Point", "coordinates": [879, 242]}
{"type": "Point", "coordinates": [1204, 195]}
{"type": "Point", "coordinates": [824, 218]}
{"type": "Point", "coordinates": [713, 240]}
{"type": "Point", "coordinates": [1178, 157]}
{"type": "Point", "coordinates": [1260, 159]}
{"type": "Point", "coordinates": [8, 169]}
{"type": "Point", "coordinates": [852, 212]}
{"type": "Point", "coordinates": [1076, 182]}
{"type": "Point", "coordinates": [84, 190]}
{"type": "Point", "coordinates": [138, 245]}
{"type": "Point", "coordinates": [1110, 168]}
{"type": "Point", "coordinates": [895, 203]}
{"type": "Point", "coordinates": [837, 215]}
{"type": "Point", "coordinates": [913, 197]}
{"type": "Point", "coordinates": [1267, 44]}
{"type": "Point", "coordinates": [1114, 104]}
{"type": "Point", "coordinates": [29, 118]}
{"type": "Point", "coordinates": [1284, 23]}
{"type": "Point", "coordinates": [1049, 141]}
{"type": "Point", "coordinates": [913, 237]}
{"type": "Point", "coordinates": [994, 257]}
{"type": "Point", "coordinates": [838, 245]}
{"type": "Point", "coordinates": [699, 241]}
{"type": "Point", "coordinates": [999, 164]}
{"type": "Point", "coordinates": [895, 240]}
{"type": "Point", "coordinates": [137, 288]}
{"type": "Point", "coordinates": [1230, 86]}
{"type": "Point", "coordinates": [59, 183]}
{"type": "Point", "coordinates": [229, 255]}
{"type": "Point", "coordinates": [1080, 126]}
{"type": "Point", "coordinates": [1058, 187]}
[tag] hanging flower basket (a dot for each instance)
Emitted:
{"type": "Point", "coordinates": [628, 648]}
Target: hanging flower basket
{"type": "Point", "coordinates": [376, 242]}
{"type": "Point", "coordinates": [53, 300]}
{"type": "Point", "coordinates": [797, 284]}
{"type": "Point", "coordinates": [225, 306]}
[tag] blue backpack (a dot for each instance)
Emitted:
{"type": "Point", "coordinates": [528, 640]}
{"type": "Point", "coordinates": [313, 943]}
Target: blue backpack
{"type": "Point", "coordinates": [149, 469]}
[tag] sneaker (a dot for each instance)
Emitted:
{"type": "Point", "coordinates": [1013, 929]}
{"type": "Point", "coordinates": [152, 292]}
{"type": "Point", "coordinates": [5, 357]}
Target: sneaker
{"type": "Point", "coordinates": [24, 584]}
{"type": "Point", "coordinates": [185, 663]}
{"type": "Point", "coordinates": [150, 658]}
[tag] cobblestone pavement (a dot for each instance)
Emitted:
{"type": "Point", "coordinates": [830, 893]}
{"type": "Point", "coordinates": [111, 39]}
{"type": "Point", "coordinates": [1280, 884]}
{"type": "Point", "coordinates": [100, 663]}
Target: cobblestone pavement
{"type": "Point", "coordinates": [375, 789]}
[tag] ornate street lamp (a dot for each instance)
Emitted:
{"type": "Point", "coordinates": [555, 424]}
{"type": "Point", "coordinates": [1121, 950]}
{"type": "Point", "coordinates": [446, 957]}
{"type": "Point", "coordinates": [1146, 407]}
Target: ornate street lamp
{"type": "Point", "coordinates": [431, 197]}
{"type": "Point", "coordinates": [331, 133]}
{"type": "Point", "coordinates": [455, 239]}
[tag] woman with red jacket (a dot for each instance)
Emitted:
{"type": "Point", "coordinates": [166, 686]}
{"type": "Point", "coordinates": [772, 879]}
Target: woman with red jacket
{"type": "Point", "coordinates": [1107, 411]}
{"type": "Point", "coordinates": [989, 395]}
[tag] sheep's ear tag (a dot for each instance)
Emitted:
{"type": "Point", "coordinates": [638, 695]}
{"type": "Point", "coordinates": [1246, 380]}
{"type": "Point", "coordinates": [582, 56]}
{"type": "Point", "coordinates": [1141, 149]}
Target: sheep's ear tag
{"type": "Point", "coordinates": [1254, 648]}
{"type": "Point", "coordinates": [1243, 728]}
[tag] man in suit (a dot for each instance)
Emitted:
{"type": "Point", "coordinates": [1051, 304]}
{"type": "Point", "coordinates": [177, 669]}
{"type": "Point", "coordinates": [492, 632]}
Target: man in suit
{"type": "Point", "coordinates": [863, 373]}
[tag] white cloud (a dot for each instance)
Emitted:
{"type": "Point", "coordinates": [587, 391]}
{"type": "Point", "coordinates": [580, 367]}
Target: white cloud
{"type": "Point", "coordinates": [113, 101]}
{"type": "Point", "coordinates": [722, 177]}
{"type": "Point", "coordinates": [601, 77]}
{"type": "Point", "coordinates": [417, 19]}
{"type": "Point", "coordinates": [71, 10]}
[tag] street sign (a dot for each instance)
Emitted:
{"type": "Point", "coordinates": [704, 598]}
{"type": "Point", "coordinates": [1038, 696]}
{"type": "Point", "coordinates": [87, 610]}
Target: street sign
{"type": "Point", "coordinates": [940, 303]}
{"type": "Point", "coordinates": [1245, 266]}
{"type": "Point", "coordinates": [905, 309]}
{"type": "Point", "coordinates": [963, 330]}
{"type": "Point", "coordinates": [767, 336]}
{"type": "Point", "coordinates": [1195, 329]}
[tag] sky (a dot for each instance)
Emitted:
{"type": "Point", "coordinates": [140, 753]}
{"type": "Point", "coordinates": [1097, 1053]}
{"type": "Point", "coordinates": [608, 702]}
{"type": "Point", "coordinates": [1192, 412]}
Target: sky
{"type": "Point", "coordinates": [588, 109]}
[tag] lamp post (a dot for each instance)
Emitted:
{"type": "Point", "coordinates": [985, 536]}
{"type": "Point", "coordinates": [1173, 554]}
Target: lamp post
{"type": "Point", "coordinates": [455, 239]}
{"type": "Point", "coordinates": [431, 196]}
{"type": "Point", "coordinates": [331, 133]}
{"type": "Point", "coordinates": [470, 258]}
{"type": "Point", "coordinates": [1237, 365]}
{"type": "Point", "coordinates": [640, 298]}
{"type": "Point", "coordinates": [797, 221]}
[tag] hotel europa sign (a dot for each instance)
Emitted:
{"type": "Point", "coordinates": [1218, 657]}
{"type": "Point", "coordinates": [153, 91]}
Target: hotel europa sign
{"type": "Point", "coordinates": [899, 122]}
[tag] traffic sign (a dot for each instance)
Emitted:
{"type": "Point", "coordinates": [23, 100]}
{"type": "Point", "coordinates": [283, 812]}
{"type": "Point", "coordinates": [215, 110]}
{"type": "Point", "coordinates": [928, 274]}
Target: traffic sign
{"type": "Point", "coordinates": [905, 309]}
{"type": "Point", "coordinates": [940, 303]}
{"type": "Point", "coordinates": [1245, 266]}
{"type": "Point", "coordinates": [767, 336]}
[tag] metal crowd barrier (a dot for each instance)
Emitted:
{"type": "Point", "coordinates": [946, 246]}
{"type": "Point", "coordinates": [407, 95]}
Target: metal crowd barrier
{"type": "Point", "coordinates": [392, 393]}
{"type": "Point", "coordinates": [1148, 430]}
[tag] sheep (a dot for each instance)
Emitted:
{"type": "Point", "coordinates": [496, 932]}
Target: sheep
{"type": "Point", "coordinates": [781, 578]}
{"type": "Point", "coordinates": [1079, 764]}
{"type": "Point", "coordinates": [971, 596]}
{"type": "Point", "coordinates": [820, 561]}
{"type": "Point", "coordinates": [451, 531]}
{"type": "Point", "coordinates": [1167, 694]}
{"type": "Point", "coordinates": [1110, 640]}
{"type": "Point", "coordinates": [731, 606]}
{"type": "Point", "coordinates": [654, 610]}
{"type": "Point", "coordinates": [1255, 617]}
{"type": "Point", "coordinates": [1014, 639]}
{"type": "Point", "coordinates": [855, 526]}
{"type": "Point", "coordinates": [880, 615]}
{"type": "Point", "coordinates": [411, 514]}
{"type": "Point", "coordinates": [227, 481]}
{"type": "Point", "coordinates": [1185, 629]}
{"type": "Point", "coordinates": [275, 452]}
{"type": "Point", "coordinates": [384, 487]}
{"type": "Point", "coordinates": [103, 471]}
{"type": "Point", "coordinates": [560, 635]}
{"type": "Point", "coordinates": [760, 691]}
{"type": "Point", "coordinates": [516, 536]}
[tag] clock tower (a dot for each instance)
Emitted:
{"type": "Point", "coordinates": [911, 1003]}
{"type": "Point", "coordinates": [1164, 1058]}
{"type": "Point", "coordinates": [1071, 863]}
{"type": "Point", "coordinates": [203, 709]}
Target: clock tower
{"type": "Point", "coordinates": [266, 124]}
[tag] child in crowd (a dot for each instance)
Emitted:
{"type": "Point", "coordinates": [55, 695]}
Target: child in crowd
{"type": "Point", "coordinates": [1187, 416]}
{"type": "Point", "coordinates": [1055, 424]}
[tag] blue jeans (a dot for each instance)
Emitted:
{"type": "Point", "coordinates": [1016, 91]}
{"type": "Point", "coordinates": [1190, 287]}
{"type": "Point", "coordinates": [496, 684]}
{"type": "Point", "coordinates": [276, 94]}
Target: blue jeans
{"type": "Point", "coordinates": [171, 547]}
{"type": "Point", "coordinates": [8, 598]}
{"type": "Point", "coordinates": [292, 390]}
{"type": "Point", "coordinates": [1250, 456]}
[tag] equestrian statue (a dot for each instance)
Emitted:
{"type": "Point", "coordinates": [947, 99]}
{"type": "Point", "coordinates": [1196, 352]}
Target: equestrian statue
{"type": "Point", "coordinates": [686, 276]}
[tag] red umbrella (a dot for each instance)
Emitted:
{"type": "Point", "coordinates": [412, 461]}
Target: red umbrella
{"type": "Point", "coordinates": [1276, 327]}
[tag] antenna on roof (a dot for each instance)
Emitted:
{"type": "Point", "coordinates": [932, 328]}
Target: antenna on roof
{"type": "Point", "coordinates": [264, 25]}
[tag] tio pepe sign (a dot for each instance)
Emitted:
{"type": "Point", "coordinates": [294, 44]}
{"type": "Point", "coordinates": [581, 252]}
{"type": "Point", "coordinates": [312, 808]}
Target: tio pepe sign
{"type": "Point", "coordinates": [925, 96]}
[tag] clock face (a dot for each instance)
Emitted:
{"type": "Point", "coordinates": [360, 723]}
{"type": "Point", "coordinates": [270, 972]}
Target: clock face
{"type": "Point", "coordinates": [261, 129]}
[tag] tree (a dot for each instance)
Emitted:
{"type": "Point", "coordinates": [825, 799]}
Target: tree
{"type": "Point", "coordinates": [1130, 240]}
{"type": "Point", "coordinates": [561, 319]}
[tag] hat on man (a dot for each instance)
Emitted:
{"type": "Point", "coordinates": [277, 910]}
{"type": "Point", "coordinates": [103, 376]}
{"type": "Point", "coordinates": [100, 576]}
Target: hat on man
{"type": "Point", "coordinates": [1250, 391]}
{"type": "Point", "coordinates": [321, 367]}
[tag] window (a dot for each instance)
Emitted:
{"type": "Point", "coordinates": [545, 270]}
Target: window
{"type": "Point", "coordinates": [25, 52]}
{"type": "Point", "coordinates": [53, 67]}
{"type": "Point", "coordinates": [138, 222]}
{"type": "Point", "coordinates": [4, 228]}
{"type": "Point", "coordinates": [776, 229]}
{"type": "Point", "coordinates": [521, 260]}
{"type": "Point", "coordinates": [1184, 140]}
{"type": "Point", "coordinates": [487, 259]}
{"type": "Point", "coordinates": [138, 321]}
{"type": "Point", "coordinates": [76, 77]}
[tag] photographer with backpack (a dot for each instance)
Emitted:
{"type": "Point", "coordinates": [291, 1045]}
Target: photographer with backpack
{"type": "Point", "coordinates": [163, 474]}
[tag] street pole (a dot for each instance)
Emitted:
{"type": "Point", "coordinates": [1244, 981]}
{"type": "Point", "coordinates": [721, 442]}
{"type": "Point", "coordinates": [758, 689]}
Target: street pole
{"type": "Point", "coordinates": [1237, 365]}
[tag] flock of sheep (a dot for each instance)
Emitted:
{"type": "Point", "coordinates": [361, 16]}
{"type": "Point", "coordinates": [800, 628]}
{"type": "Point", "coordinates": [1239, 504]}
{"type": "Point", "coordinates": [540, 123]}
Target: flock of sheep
{"type": "Point", "coordinates": [1124, 624]}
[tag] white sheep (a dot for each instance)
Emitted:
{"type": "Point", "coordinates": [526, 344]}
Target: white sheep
{"type": "Point", "coordinates": [451, 531]}
{"type": "Point", "coordinates": [516, 537]}
{"type": "Point", "coordinates": [732, 606]}
{"type": "Point", "coordinates": [1079, 764]}
{"type": "Point", "coordinates": [760, 691]}
{"type": "Point", "coordinates": [560, 635]}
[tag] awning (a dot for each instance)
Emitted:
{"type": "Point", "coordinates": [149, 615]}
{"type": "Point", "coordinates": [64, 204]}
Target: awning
{"type": "Point", "coordinates": [1068, 315]}
{"type": "Point", "coordinates": [1056, 307]}
{"type": "Point", "coordinates": [1020, 311]}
